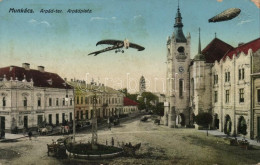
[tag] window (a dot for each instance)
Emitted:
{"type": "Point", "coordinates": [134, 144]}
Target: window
{"type": "Point", "coordinates": [227, 76]}
{"type": "Point", "coordinates": [241, 74]}
{"type": "Point", "coordinates": [81, 100]}
{"type": "Point", "coordinates": [70, 101]}
{"type": "Point", "coordinates": [50, 102]}
{"type": "Point", "coordinates": [215, 79]}
{"type": "Point", "coordinates": [25, 102]}
{"type": "Point", "coordinates": [241, 95]}
{"type": "Point", "coordinates": [77, 99]}
{"type": "Point", "coordinates": [86, 100]}
{"type": "Point", "coordinates": [81, 115]}
{"type": "Point", "coordinates": [86, 114]}
{"type": "Point", "coordinates": [39, 101]}
{"type": "Point", "coordinates": [180, 87]}
{"type": "Point", "coordinates": [227, 96]}
{"type": "Point", "coordinates": [63, 101]}
{"type": "Point", "coordinates": [77, 117]}
{"type": "Point", "coordinates": [216, 96]}
{"type": "Point", "coordinates": [57, 102]}
{"type": "Point", "coordinates": [258, 95]}
{"type": "Point", "coordinates": [4, 102]}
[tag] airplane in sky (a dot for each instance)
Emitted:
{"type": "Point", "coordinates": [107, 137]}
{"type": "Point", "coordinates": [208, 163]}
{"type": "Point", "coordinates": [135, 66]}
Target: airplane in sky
{"type": "Point", "coordinates": [117, 45]}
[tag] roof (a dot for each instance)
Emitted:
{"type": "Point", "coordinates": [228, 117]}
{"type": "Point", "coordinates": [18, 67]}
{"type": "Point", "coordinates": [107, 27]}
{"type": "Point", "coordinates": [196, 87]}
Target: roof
{"type": "Point", "coordinates": [129, 102]}
{"type": "Point", "coordinates": [39, 78]}
{"type": "Point", "coordinates": [215, 50]}
{"type": "Point", "coordinates": [84, 87]}
{"type": "Point", "coordinates": [254, 45]}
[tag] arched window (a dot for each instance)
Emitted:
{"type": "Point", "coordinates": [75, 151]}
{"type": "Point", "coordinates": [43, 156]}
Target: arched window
{"type": "Point", "coordinates": [4, 102]}
{"type": "Point", "coordinates": [180, 87]}
{"type": "Point", "coordinates": [25, 102]}
{"type": "Point", "coordinates": [39, 101]}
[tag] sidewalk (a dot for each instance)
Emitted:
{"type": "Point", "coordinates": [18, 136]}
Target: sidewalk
{"type": "Point", "coordinates": [222, 135]}
{"type": "Point", "coordinates": [9, 137]}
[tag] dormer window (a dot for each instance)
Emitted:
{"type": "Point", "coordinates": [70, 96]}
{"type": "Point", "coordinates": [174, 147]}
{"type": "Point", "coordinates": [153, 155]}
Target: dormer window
{"type": "Point", "coordinates": [49, 81]}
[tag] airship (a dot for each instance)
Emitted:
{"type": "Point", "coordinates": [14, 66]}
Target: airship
{"type": "Point", "coordinates": [226, 15]}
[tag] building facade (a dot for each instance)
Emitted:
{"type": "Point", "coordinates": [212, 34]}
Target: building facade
{"type": "Point", "coordinates": [130, 106]}
{"type": "Point", "coordinates": [221, 79]}
{"type": "Point", "coordinates": [177, 77]}
{"type": "Point", "coordinates": [109, 102]}
{"type": "Point", "coordinates": [29, 97]}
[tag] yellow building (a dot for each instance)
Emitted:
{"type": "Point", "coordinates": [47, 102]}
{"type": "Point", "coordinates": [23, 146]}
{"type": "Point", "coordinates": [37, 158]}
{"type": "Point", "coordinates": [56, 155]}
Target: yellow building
{"type": "Point", "coordinates": [109, 102]}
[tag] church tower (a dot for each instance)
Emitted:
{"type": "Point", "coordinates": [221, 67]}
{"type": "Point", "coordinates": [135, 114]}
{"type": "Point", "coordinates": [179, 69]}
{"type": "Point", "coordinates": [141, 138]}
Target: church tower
{"type": "Point", "coordinates": [142, 85]}
{"type": "Point", "coordinates": [176, 110]}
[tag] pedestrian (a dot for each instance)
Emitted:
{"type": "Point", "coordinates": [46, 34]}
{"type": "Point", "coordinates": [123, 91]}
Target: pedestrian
{"type": "Point", "coordinates": [257, 139]}
{"type": "Point", "coordinates": [109, 124]}
{"type": "Point", "coordinates": [106, 142]}
{"type": "Point", "coordinates": [2, 136]}
{"type": "Point", "coordinates": [112, 141]}
{"type": "Point", "coordinates": [30, 135]}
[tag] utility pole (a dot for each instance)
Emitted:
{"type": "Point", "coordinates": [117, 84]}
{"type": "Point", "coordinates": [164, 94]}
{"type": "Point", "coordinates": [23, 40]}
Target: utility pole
{"type": "Point", "coordinates": [94, 123]}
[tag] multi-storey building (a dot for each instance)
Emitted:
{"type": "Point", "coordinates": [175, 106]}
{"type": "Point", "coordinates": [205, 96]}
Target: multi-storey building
{"type": "Point", "coordinates": [109, 102]}
{"type": "Point", "coordinates": [220, 79]}
{"type": "Point", "coordinates": [29, 97]}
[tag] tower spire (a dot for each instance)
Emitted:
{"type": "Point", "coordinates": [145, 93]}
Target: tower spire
{"type": "Point", "coordinates": [178, 27]}
{"type": "Point", "coordinates": [199, 56]}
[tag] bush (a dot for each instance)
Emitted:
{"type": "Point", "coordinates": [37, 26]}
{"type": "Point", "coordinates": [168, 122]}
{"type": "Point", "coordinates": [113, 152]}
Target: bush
{"type": "Point", "coordinates": [203, 119]}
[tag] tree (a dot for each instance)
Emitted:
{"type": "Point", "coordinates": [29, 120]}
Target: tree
{"type": "Point", "coordinates": [204, 119]}
{"type": "Point", "coordinates": [242, 127]}
{"type": "Point", "coordinates": [159, 110]}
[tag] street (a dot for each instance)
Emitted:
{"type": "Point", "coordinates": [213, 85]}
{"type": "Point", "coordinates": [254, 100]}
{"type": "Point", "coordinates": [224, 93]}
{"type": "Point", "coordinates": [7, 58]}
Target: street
{"type": "Point", "coordinates": [160, 145]}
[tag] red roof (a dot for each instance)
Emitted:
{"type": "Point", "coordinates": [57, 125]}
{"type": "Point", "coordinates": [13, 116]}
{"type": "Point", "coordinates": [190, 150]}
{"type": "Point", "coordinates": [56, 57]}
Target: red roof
{"type": "Point", "coordinates": [40, 79]}
{"type": "Point", "coordinates": [254, 45]}
{"type": "Point", "coordinates": [129, 102]}
{"type": "Point", "coordinates": [215, 50]}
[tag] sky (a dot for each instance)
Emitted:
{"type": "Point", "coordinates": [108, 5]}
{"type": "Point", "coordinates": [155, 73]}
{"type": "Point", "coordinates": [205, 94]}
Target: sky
{"type": "Point", "coordinates": [62, 41]}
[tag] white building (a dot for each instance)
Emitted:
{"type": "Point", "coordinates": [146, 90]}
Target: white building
{"type": "Point", "coordinates": [30, 96]}
{"type": "Point", "coordinates": [221, 79]}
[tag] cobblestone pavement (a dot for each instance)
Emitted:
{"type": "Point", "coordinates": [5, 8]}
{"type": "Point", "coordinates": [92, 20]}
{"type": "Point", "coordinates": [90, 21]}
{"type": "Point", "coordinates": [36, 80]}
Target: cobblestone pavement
{"type": "Point", "coordinates": [160, 145]}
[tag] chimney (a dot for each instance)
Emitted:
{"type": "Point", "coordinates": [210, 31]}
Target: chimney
{"type": "Point", "coordinates": [41, 68]}
{"type": "Point", "coordinates": [240, 44]}
{"type": "Point", "coordinates": [26, 66]}
{"type": "Point", "coordinates": [11, 68]}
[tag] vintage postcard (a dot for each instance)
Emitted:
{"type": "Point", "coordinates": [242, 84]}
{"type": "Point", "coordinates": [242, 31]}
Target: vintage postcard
{"type": "Point", "coordinates": [158, 82]}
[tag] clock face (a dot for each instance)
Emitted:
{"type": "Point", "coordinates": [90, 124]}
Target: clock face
{"type": "Point", "coordinates": [181, 69]}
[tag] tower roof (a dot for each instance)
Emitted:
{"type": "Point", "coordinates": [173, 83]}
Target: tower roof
{"type": "Point", "coordinates": [179, 36]}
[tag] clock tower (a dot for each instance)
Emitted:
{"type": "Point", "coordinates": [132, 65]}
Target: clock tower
{"type": "Point", "coordinates": [176, 107]}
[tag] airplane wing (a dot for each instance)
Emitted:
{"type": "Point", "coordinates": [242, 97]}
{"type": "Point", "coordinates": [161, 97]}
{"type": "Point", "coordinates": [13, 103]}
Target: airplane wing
{"type": "Point", "coordinates": [110, 42]}
{"type": "Point", "coordinates": [138, 47]}
{"type": "Point", "coordinates": [106, 49]}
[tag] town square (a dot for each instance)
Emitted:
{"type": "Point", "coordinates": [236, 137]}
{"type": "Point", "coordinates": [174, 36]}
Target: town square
{"type": "Point", "coordinates": [130, 82]}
